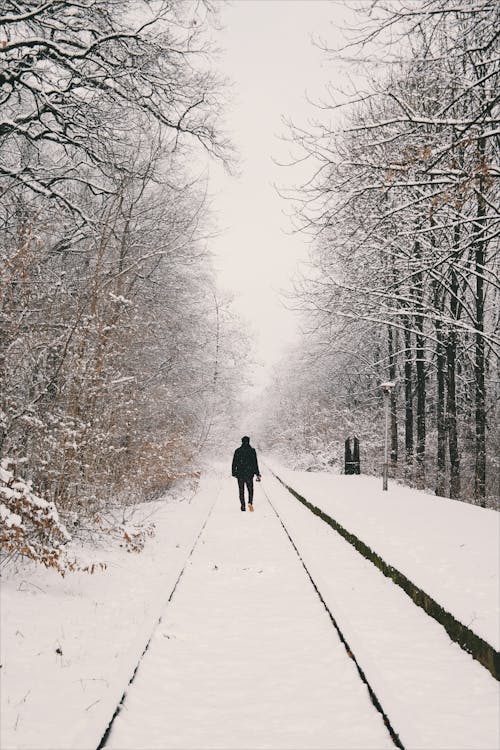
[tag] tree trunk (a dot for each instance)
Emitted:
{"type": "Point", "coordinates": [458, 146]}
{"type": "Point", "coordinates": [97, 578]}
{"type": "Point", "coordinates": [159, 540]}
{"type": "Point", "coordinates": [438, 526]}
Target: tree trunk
{"type": "Point", "coordinates": [479, 361]}
{"type": "Point", "coordinates": [451, 365]}
{"type": "Point", "coordinates": [451, 415]}
{"type": "Point", "coordinates": [440, 416]}
{"type": "Point", "coordinates": [408, 397]}
{"type": "Point", "coordinates": [417, 294]}
{"type": "Point", "coordinates": [394, 415]}
{"type": "Point", "coordinates": [421, 424]}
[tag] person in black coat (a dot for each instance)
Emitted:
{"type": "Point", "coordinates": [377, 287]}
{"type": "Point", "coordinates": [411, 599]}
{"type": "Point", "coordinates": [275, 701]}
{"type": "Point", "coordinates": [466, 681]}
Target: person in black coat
{"type": "Point", "coordinates": [244, 468]}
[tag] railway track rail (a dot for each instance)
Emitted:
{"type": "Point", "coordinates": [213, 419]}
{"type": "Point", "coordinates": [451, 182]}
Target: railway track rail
{"type": "Point", "coordinates": [342, 637]}
{"type": "Point", "coordinates": [294, 539]}
{"type": "Point", "coordinates": [459, 633]}
{"type": "Point", "coordinates": [114, 713]}
{"type": "Point", "coordinates": [373, 697]}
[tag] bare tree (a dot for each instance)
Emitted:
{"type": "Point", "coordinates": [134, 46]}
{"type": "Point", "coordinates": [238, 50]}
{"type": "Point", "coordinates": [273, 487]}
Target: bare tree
{"type": "Point", "coordinates": [403, 204]}
{"type": "Point", "coordinates": [77, 78]}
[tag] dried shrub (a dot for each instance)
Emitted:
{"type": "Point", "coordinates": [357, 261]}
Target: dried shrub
{"type": "Point", "coordinates": [134, 539]}
{"type": "Point", "coordinates": [30, 525]}
{"type": "Point", "coordinates": [157, 465]}
{"type": "Point", "coordinates": [31, 528]}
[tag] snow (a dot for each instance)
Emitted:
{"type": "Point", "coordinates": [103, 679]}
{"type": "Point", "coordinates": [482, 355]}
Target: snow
{"type": "Point", "coordinates": [17, 495]}
{"type": "Point", "coordinates": [8, 518]}
{"type": "Point", "coordinates": [245, 654]}
{"type": "Point", "coordinates": [436, 695]}
{"type": "Point", "coordinates": [99, 622]}
{"type": "Point", "coordinates": [120, 298]}
{"type": "Point", "coordinates": [14, 488]}
{"type": "Point", "coordinates": [449, 549]}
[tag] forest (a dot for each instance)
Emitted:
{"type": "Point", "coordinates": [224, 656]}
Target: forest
{"type": "Point", "coordinates": [400, 205]}
{"type": "Point", "coordinates": [117, 350]}
{"type": "Point", "coordinates": [265, 231]}
{"type": "Point", "coordinates": [121, 360]}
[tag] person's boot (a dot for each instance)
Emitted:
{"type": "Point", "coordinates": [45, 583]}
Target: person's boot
{"type": "Point", "coordinates": [243, 506]}
{"type": "Point", "coordinates": [250, 507]}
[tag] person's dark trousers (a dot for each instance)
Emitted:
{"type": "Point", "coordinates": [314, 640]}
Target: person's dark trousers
{"type": "Point", "coordinates": [241, 485]}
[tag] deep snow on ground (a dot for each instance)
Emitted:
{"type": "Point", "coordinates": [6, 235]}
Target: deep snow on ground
{"type": "Point", "coordinates": [436, 696]}
{"type": "Point", "coordinates": [449, 549]}
{"type": "Point", "coordinates": [245, 655]}
{"type": "Point", "coordinates": [99, 623]}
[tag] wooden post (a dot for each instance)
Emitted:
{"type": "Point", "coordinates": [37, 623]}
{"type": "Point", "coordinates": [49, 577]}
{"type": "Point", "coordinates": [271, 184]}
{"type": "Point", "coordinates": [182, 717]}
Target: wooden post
{"type": "Point", "coordinates": [355, 457]}
{"type": "Point", "coordinates": [348, 457]}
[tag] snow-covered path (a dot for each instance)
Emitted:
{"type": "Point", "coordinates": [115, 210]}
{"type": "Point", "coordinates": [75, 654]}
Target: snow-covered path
{"type": "Point", "coordinates": [246, 655]}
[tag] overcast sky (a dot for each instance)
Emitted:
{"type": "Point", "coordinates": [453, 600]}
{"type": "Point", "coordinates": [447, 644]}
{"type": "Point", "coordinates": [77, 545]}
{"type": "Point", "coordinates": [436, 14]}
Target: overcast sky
{"type": "Point", "coordinates": [268, 54]}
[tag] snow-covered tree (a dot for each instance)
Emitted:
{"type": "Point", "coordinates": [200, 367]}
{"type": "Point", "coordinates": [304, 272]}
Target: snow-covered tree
{"type": "Point", "coordinates": [403, 204]}
{"type": "Point", "coordinates": [114, 345]}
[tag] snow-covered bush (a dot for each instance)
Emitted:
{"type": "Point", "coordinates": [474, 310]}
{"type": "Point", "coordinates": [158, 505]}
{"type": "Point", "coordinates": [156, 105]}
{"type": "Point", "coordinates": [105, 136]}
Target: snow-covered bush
{"type": "Point", "coordinates": [118, 352]}
{"type": "Point", "coordinates": [30, 526]}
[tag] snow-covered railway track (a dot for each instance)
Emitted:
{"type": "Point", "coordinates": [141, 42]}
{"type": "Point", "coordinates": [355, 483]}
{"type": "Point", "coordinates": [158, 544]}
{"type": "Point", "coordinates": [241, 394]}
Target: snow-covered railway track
{"type": "Point", "coordinates": [246, 656]}
{"type": "Point", "coordinates": [459, 633]}
{"type": "Point", "coordinates": [374, 699]}
{"type": "Point", "coordinates": [117, 708]}
{"type": "Point", "coordinates": [435, 694]}
{"type": "Point", "coordinates": [282, 635]}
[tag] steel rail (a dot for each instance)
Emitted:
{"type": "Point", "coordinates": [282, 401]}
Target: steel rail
{"type": "Point", "coordinates": [459, 633]}
{"type": "Point", "coordinates": [374, 699]}
{"type": "Point", "coordinates": [119, 705]}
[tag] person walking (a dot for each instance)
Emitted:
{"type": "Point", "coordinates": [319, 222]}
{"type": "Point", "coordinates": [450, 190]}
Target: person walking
{"type": "Point", "coordinates": [244, 468]}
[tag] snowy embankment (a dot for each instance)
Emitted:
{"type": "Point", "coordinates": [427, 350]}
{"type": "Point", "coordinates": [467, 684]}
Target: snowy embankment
{"type": "Point", "coordinates": [435, 695]}
{"type": "Point", "coordinates": [245, 655]}
{"type": "Point", "coordinates": [69, 645]}
{"type": "Point", "coordinates": [449, 549]}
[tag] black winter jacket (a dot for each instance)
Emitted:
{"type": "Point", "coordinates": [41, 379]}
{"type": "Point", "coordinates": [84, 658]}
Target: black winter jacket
{"type": "Point", "coordinates": [245, 462]}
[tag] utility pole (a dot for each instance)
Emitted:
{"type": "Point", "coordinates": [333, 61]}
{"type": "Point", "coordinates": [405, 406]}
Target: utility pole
{"type": "Point", "coordinates": [387, 389]}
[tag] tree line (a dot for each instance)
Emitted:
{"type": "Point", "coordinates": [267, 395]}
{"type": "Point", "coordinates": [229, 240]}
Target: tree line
{"type": "Point", "coordinates": [117, 352]}
{"type": "Point", "coordinates": [401, 202]}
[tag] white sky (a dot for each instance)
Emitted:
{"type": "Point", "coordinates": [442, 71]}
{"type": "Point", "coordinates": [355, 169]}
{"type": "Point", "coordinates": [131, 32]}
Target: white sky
{"type": "Point", "coordinates": [268, 54]}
